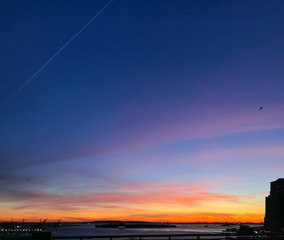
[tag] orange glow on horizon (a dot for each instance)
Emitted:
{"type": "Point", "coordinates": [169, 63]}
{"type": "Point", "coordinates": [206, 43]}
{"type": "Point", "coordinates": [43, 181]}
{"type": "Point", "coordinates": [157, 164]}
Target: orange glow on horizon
{"type": "Point", "coordinates": [141, 216]}
{"type": "Point", "coordinates": [153, 203]}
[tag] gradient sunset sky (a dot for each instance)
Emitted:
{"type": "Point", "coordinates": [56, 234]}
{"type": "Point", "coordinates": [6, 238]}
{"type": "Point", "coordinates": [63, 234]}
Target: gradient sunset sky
{"type": "Point", "coordinates": [151, 113]}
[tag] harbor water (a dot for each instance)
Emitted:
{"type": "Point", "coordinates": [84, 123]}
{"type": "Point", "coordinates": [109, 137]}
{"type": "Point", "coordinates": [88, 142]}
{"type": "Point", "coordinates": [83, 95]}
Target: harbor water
{"type": "Point", "coordinates": [91, 230]}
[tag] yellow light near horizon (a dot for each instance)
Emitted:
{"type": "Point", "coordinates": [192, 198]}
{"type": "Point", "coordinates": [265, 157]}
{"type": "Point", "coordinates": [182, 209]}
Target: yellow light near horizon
{"type": "Point", "coordinates": [207, 212]}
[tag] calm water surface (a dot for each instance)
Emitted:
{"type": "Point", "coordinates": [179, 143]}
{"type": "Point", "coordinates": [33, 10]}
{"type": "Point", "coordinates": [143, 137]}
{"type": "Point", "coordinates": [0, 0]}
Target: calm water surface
{"type": "Point", "coordinates": [90, 230]}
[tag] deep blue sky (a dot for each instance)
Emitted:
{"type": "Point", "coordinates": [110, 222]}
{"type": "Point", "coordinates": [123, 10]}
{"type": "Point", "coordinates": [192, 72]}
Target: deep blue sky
{"type": "Point", "coordinates": [146, 85]}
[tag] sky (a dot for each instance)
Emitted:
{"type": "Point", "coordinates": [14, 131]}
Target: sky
{"type": "Point", "coordinates": [152, 113]}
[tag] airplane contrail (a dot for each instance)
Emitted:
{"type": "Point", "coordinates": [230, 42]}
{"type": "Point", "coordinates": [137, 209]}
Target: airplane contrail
{"type": "Point", "coordinates": [54, 55]}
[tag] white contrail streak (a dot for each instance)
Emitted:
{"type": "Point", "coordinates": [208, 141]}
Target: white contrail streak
{"type": "Point", "coordinates": [54, 55]}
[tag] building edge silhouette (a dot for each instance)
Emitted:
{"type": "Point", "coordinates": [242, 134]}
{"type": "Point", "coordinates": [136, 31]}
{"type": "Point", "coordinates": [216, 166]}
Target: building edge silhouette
{"type": "Point", "coordinates": [274, 207]}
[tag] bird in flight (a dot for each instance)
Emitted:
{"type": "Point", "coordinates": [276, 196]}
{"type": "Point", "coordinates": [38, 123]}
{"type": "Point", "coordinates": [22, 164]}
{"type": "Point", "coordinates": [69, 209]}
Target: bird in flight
{"type": "Point", "coordinates": [261, 107]}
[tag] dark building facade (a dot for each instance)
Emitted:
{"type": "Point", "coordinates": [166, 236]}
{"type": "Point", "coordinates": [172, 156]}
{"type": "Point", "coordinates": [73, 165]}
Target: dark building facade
{"type": "Point", "coordinates": [274, 207]}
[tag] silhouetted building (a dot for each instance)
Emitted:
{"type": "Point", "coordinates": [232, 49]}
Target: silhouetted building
{"type": "Point", "coordinates": [274, 207]}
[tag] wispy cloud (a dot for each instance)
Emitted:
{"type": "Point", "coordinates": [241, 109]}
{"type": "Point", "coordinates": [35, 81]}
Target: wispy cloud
{"type": "Point", "coordinates": [136, 195]}
{"type": "Point", "coordinates": [207, 124]}
{"type": "Point", "coordinates": [155, 201]}
{"type": "Point", "coordinates": [257, 156]}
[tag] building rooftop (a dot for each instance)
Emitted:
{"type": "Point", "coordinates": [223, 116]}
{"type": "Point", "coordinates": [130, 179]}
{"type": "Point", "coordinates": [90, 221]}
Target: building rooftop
{"type": "Point", "coordinates": [278, 183]}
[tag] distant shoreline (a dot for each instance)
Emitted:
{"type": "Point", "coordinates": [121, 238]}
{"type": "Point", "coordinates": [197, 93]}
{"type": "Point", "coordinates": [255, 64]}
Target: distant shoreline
{"type": "Point", "coordinates": [117, 221]}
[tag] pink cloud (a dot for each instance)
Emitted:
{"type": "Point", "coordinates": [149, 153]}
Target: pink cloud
{"type": "Point", "coordinates": [208, 123]}
{"type": "Point", "coordinates": [131, 199]}
{"type": "Point", "coordinates": [157, 194]}
{"type": "Point", "coordinates": [255, 154]}
{"type": "Point", "coordinates": [212, 125]}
